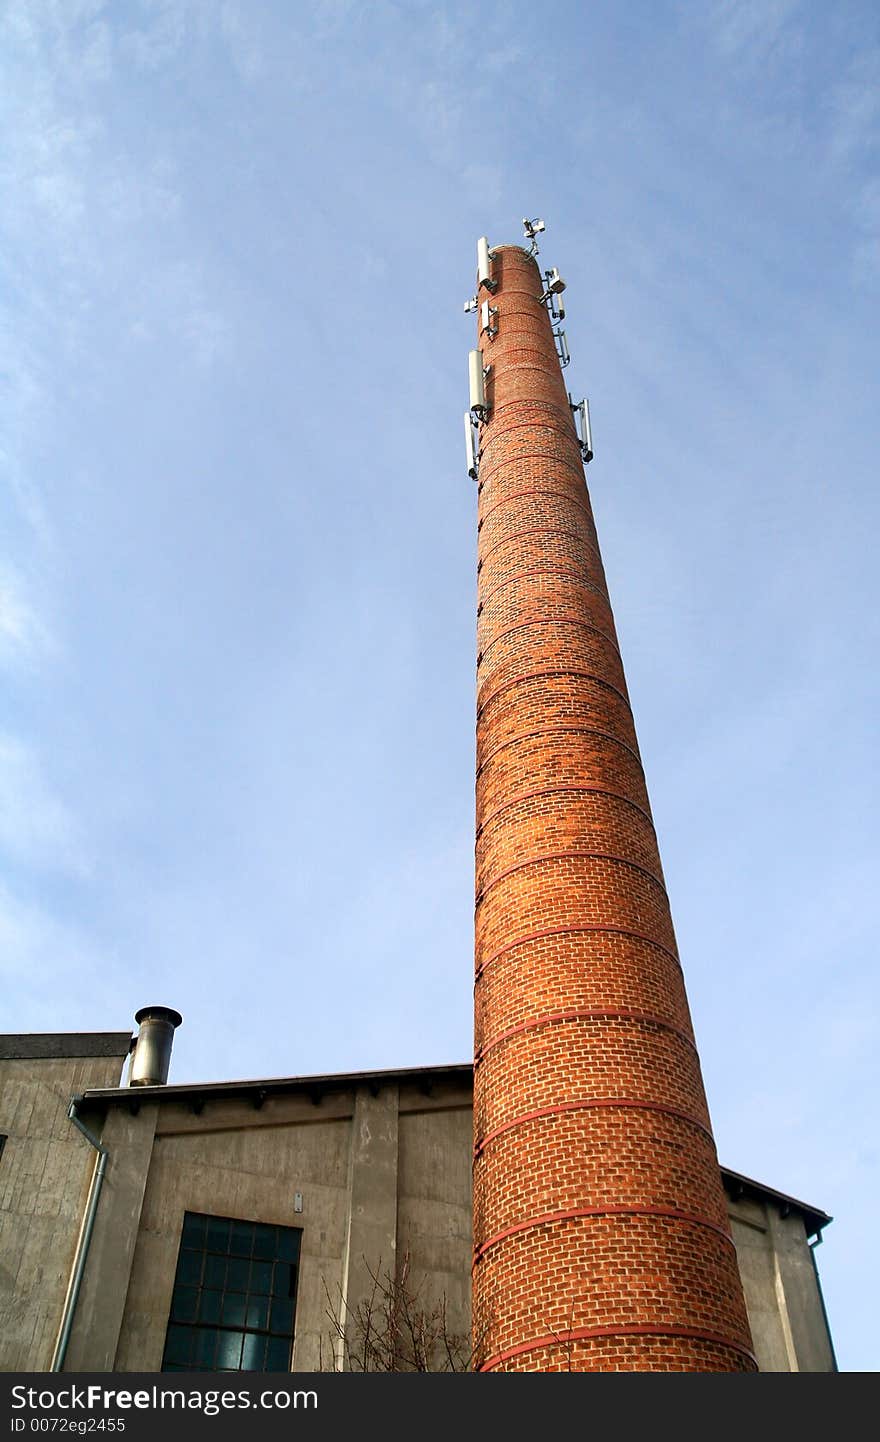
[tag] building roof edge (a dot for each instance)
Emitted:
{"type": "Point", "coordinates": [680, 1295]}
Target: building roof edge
{"type": "Point", "coordinates": [55, 1045]}
{"type": "Point", "coordinates": [735, 1183]}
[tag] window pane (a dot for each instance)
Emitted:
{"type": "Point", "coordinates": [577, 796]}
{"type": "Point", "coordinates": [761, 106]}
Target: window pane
{"type": "Point", "coordinates": [258, 1312]}
{"type": "Point", "coordinates": [215, 1272]}
{"type": "Point", "coordinates": [205, 1340]}
{"type": "Point", "coordinates": [282, 1279]}
{"type": "Point", "coordinates": [237, 1274]}
{"type": "Point", "coordinates": [209, 1307]}
{"type": "Point", "coordinates": [218, 1234]}
{"type": "Point", "coordinates": [177, 1344]}
{"type": "Point", "coordinates": [184, 1304]}
{"type": "Point", "coordinates": [253, 1352]}
{"type": "Point", "coordinates": [234, 1308]}
{"type": "Point", "coordinates": [282, 1316]}
{"type": "Point", "coordinates": [228, 1351]}
{"type": "Point", "coordinates": [278, 1354]}
{"type": "Point", "coordinates": [194, 1229]}
{"type": "Point", "coordinates": [189, 1268]}
{"type": "Point", "coordinates": [288, 1244]}
{"type": "Point", "coordinates": [261, 1277]}
{"type": "Point", "coordinates": [265, 1242]}
{"type": "Point", "coordinates": [242, 1242]}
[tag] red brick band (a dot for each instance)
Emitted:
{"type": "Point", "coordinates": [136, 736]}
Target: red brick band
{"type": "Point", "coordinates": [536, 531]}
{"type": "Point", "coordinates": [548, 407]}
{"type": "Point", "coordinates": [549, 621]}
{"type": "Point", "coordinates": [592, 1014]}
{"type": "Point", "coordinates": [523, 367]}
{"type": "Point", "coordinates": [566, 856]}
{"type": "Point", "coordinates": [542, 571]}
{"type": "Point", "coordinates": [591, 1104]}
{"type": "Point", "coordinates": [571, 930]}
{"type": "Point", "coordinates": [576, 1213]}
{"type": "Point", "coordinates": [576, 470]}
{"type": "Point", "coordinates": [543, 415]}
{"type": "Point", "coordinates": [513, 332]}
{"type": "Point", "coordinates": [555, 671]}
{"type": "Point", "coordinates": [583, 1334]}
{"type": "Point", "coordinates": [513, 290]}
{"type": "Point", "coordinates": [552, 790]}
{"type": "Point", "coordinates": [535, 491]}
{"type": "Point", "coordinates": [557, 731]}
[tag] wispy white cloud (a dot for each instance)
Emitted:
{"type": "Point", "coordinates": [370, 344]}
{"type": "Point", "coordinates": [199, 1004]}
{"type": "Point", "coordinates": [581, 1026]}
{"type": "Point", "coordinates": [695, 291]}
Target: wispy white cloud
{"type": "Point", "coordinates": [35, 948]}
{"type": "Point", "coordinates": [36, 828]}
{"type": "Point", "coordinates": [442, 85]}
{"type": "Point", "coordinates": [83, 213]}
{"type": "Point", "coordinates": [242, 41]}
{"type": "Point", "coordinates": [23, 636]}
{"type": "Point", "coordinates": [750, 29]}
{"type": "Point", "coordinates": [329, 17]}
{"type": "Point", "coordinates": [159, 39]}
{"type": "Point", "coordinates": [177, 301]}
{"type": "Point", "coordinates": [503, 56]}
{"type": "Point", "coordinates": [854, 108]}
{"type": "Point", "coordinates": [853, 144]}
{"type": "Point", "coordinates": [92, 242]}
{"type": "Point", "coordinates": [799, 104]}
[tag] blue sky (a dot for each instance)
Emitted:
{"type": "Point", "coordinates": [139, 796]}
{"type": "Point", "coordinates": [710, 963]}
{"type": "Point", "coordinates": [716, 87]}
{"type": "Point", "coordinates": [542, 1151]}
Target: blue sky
{"type": "Point", "coordinates": [238, 542]}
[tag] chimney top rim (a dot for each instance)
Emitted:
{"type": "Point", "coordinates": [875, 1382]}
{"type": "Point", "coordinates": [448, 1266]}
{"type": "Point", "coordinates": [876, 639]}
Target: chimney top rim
{"type": "Point", "coordinates": [158, 1013]}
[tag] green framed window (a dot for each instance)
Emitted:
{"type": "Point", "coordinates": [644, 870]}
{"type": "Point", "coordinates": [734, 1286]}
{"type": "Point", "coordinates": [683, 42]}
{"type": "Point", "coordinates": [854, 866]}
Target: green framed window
{"type": "Point", "coordinates": [234, 1299]}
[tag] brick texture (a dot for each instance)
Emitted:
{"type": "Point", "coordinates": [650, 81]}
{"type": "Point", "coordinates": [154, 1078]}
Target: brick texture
{"type": "Point", "coordinates": [600, 1229]}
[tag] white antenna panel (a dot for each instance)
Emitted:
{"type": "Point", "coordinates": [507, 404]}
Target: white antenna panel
{"type": "Point", "coordinates": [586, 435]}
{"type": "Point", "coordinates": [477, 383]}
{"type": "Point", "coordinates": [484, 268]}
{"type": "Point", "coordinates": [470, 450]}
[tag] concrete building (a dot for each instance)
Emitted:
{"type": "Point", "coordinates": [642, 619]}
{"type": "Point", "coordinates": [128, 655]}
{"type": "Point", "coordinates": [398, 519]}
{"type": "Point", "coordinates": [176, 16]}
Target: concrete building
{"type": "Point", "coordinates": [236, 1219]}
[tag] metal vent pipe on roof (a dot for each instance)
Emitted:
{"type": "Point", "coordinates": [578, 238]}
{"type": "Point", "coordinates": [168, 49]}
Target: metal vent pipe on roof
{"type": "Point", "coordinates": [152, 1049]}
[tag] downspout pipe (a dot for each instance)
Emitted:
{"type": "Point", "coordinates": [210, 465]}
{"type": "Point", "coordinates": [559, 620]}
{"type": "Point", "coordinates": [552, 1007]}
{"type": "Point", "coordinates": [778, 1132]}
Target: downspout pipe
{"type": "Point", "coordinates": [817, 1242]}
{"type": "Point", "coordinates": [84, 1240]}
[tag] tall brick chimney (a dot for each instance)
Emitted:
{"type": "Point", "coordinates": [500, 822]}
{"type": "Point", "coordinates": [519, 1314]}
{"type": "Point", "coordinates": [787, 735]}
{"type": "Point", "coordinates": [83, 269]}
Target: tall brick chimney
{"type": "Point", "coordinates": [600, 1228]}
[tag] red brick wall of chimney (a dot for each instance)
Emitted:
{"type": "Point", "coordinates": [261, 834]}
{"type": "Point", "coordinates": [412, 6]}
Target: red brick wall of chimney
{"type": "Point", "coordinates": [601, 1233]}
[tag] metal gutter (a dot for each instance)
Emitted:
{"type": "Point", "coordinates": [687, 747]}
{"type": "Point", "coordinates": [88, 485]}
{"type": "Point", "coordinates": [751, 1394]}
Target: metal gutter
{"type": "Point", "coordinates": [274, 1085]}
{"type": "Point", "coordinates": [812, 1247]}
{"type": "Point", "coordinates": [83, 1241]}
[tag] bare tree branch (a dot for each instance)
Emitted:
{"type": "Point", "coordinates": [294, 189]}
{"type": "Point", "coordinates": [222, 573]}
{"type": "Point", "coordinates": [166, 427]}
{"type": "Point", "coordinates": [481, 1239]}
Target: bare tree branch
{"type": "Point", "coordinates": [394, 1328]}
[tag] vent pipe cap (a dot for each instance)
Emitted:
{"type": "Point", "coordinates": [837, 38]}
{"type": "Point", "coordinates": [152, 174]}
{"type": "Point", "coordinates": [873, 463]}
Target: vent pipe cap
{"type": "Point", "coordinates": [151, 1058]}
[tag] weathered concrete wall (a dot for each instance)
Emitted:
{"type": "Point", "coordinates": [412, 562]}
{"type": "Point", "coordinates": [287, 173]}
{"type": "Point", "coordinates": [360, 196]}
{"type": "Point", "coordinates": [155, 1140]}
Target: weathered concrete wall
{"type": "Point", "coordinates": [128, 1137]}
{"type": "Point", "coordinates": [782, 1294]}
{"type": "Point", "coordinates": [373, 1166]}
{"type": "Point", "coordinates": [44, 1177]}
{"type": "Point", "coordinates": [235, 1161]}
{"type": "Point", "coordinates": [434, 1207]}
{"type": "Point", "coordinates": [371, 1234]}
{"type": "Point", "coordinates": [384, 1170]}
